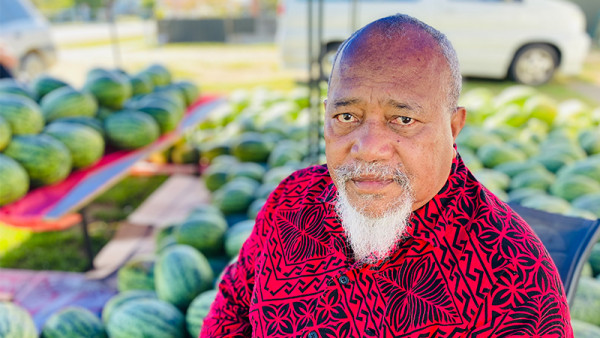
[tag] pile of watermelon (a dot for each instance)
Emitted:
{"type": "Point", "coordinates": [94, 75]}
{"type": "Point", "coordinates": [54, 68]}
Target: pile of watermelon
{"type": "Point", "coordinates": [49, 129]}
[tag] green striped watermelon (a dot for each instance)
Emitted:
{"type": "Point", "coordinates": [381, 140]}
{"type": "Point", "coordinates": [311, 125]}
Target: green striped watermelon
{"type": "Point", "coordinates": [66, 102]}
{"type": "Point", "coordinates": [216, 176]}
{"type": "Point", "coordinates": [237, 235]}
{"type": "Point", "coordinates": [582, 329]}
{"type": "Point", "coordinates": [23, 114]}
{"type": "Point", "coordinates": [45, 159]}
{"type": "Point", "coordinates": [11, 86]}
{"type": "Point", "coordinates": [203, 232]}
{"type": "Point", "coordinates": [141, 84]}
{"type": "Point", "coordinates": [14, 178]}
{"type": "Point", "coordinates": [255, 207]}
{"type": "Point", "coordinates": [119, 299]}
{"type": "Point", "coordinates": [181, 273]}
{"type": "Point", "coordinates": [204, 209]}
{"type": "Point", "coordinates": [190, 91]}
{"type": "Point", "coordinates": [16, 322]}
{"type": "Point", "coordinates": [137, 274]}
{"type": "Point", "coordinates": [131, 129]}
{"type": "Point", "coordinates": [586, 304]}
{"type": "Point", "coordinates": [44, 84]}
{"type": "Point", "coordinates": [73, 321]}
{"type": "Point", "coordinates": [110, 89]}
{"type": "Point", "coordinates": [172, 99]}
{"type": "Point", "coordinates": [251, 147]}
{"type": "Point", "coordinates": [85, 144]}
{"type": "Point", "coordinates": [236, 195]}
{"type": "Point", "coordinates": [159, 74]}
{"type": "Point", "coordinates": [166, 119]}
{"type": "Point", "coordinates": [91, 122]}
{"type": "Point", "coordinates": [198, 310]}
{"type": "Point", "coordinates": [5, 133]}
{"type": "Point", "coordinates": [147, 318]}
{"type": "Point", "coordinates": [250, 170]}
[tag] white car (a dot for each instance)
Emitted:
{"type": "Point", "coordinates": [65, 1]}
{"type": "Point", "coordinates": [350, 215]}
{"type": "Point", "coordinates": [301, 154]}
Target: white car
{"type": "Point", "coordinates": [525, 40]}
{"type": "Point", "coordinates": [25, 36]}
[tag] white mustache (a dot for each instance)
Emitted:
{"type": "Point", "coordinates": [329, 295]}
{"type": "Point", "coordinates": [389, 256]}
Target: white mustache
{"type": "Point", "coordinates": [375, 170]}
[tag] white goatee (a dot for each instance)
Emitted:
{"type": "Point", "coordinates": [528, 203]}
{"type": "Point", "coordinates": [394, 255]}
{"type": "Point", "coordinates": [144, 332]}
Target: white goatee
{"type": "Point", "coordinates": [373, 237]}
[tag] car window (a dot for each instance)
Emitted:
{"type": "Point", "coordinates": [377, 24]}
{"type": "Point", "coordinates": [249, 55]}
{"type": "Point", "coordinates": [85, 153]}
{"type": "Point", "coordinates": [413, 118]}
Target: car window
{"type": "Point", "coordinates": [11, 10]}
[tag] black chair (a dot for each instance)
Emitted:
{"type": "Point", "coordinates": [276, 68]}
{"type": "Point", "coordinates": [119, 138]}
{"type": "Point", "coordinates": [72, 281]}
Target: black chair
{"type": "Point", "coordinates": [569, 240]}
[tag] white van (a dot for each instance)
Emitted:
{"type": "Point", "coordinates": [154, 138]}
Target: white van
{"type": "Point", "coordinates": [525, 40]}
{"type": "Point", "coordinates": [25, 34]}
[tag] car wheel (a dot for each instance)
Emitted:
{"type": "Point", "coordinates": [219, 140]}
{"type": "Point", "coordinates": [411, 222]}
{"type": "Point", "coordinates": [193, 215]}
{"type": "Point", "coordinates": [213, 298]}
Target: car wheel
{"type": "Point", "coordinates": [534, 64]}
{"type": "Point", "coordinates": [31, 67]}
{"type": "Point", "coordinates": [327, 59]}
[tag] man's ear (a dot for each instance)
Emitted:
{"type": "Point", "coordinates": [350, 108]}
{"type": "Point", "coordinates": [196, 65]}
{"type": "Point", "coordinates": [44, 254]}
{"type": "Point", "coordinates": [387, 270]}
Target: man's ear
{"type": "Point", "coordinates": [457, 121]}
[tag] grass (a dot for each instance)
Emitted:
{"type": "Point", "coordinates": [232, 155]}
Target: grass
{"type": "Point", "coordinates": [64, 250]}
{"type": "Point", "coordinates": [100, 42]}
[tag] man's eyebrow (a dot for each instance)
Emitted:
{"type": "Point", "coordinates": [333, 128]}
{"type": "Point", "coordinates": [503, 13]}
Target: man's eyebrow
{"type": "Point", "coordinates": [411, 106]}
{"type": "Point", "coordinates": [344, 102]}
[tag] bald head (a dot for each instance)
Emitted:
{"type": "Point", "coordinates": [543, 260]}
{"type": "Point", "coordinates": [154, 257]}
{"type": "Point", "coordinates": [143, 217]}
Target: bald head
{"type": "Point", "coordinates": [389, 42]}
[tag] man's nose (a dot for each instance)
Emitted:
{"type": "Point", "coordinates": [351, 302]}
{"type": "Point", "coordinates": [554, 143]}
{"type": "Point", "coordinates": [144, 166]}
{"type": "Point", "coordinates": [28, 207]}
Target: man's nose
{"type": "Point", "coordinates": [374, 142]}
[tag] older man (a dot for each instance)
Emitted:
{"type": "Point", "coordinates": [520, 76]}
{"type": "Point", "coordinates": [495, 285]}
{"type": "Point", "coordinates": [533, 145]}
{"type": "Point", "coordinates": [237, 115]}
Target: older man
{"type": "Point", "coordinates": [394, 237]}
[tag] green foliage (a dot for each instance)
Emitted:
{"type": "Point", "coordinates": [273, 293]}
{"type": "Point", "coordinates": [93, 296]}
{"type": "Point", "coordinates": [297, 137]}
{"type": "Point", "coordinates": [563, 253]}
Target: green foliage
{"type": "Point", "coordinates": [53, 6]}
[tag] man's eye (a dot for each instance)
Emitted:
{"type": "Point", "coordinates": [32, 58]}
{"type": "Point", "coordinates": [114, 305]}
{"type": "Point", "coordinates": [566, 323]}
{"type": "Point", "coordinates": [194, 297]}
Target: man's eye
{"type": "Point", "coordinates": [404, 120]}
{"type": "Point", "coordinates": [345, 117]}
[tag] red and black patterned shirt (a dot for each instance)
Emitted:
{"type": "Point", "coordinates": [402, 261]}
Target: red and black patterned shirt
{"type": "Point", "coordinates": [469, 267]}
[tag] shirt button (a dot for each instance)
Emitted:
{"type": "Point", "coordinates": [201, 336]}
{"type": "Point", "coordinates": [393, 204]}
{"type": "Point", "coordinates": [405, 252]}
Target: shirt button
{"type": "Point", "coordinates": [313, 334]}
{"type": "Point", "coordinates": [344, 280]}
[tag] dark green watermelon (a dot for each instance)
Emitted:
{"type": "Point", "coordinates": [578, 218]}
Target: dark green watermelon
{"type": "Point", "coordinates": [131, 129]}
{"type": "Point", "coordinates": [85, 144]}
{"type": "Point", "coordinates": [68, 102]}
{"type": "Point", "coordinates": [22, 114]}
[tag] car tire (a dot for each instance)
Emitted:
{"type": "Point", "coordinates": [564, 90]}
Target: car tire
{"type": "Point", "coordinates": [326, 59]}
{"type": "Point", "coordinates": [534, 64]}
{"type": "Point", "coordinates": [31, 67]}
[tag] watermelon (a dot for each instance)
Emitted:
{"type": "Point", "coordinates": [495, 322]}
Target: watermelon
{"type": "Point", "coordinates": [473, 138]}
{"type": "Point", "coordinates": [571, 187]}
{"type": "Point", "coordinates": [514, 95]}
{"type": "Point", "coordinates": [478, 102]}
{"type": "Point", "coordinates": [492, 179]}
{"type": "Point", "coordinates": [198, 310]}
{"type": "Point", "coordinates": [541, 107]}
{"type": "Point", "coordinates": [590, 141]}
{"type": "Point", "coordinates": [589, 202]}
{"type": "Point", "coordinates": [165, 242]}
{"type": "Point", "coordinates": [587, 270]}
{"type": "Point", "coordinates": [250, 170]}
{"type": "Point", "coordinates": [547, 203]}
{"type": "Point", "coordinates": [588, 167]}
{"type": "Point", "coordinates": [166, 119]}
{"type": "Point", "coordinates": [537, 178]}
{"type": "Point", "coordinates": [527, 146]}
{"type": "Point", "coordinates": [211, 150]}
{"type": "Point", "coordinates": [5, 133]}
{"type": "Point", "coordinates": [110, 89]}
{"type": "Point", "coordinates": [85, 144]}
{"type": "Point", "coordinates": [91, 122]}
{"type": "Point", "coordinates": [514, 168]}
{"type": "Point", "coordinates": [251, 147]}
{"type": "Point", "coordinates": [181, 273]}
{"type": "Point", "coordinates": [45, 84]}
{"type": "Point", "coordinates": [586, 305]}
{"type": "Point", "coordinates": [553, 160]}
{"type": "Point", "coordinates": [237, 235]}
{"type": "Point", "coordinates": [159, 74]}
{"type": "Point", "coordinates": [255, 207]}
{"type": "Point", "coordinates": [45, 159]}
{"type": "Point", "coordinates": [492, 155]}
{"type": "Point", "coordinates": [131, 129]}
{"type": "Point", "coordinates": [594, 259]}
{"type": "Point", "coordinates": [102, 113]}
{"type": "Point", "coordinates": [16, 322]}
{"type": "Point", "coordinates": [190, 91]}
{"type": "Point", "coordinates": [283, 153]}
{"type": "Point", "coordinates": [236, 195]}
{"type": "Point", "coordinates": [265, 190]}
{"type": "Point", "coordinates": [67, 102]}
{"type": "Point", "coordinates": [582, 329]}
{"type": "Point", "coordinates": [519, 194]}
{"type": "Point", "coordinates": [148, 318]}
{"type": "Point", "coordinates": [119, 299]}
{"type": "Point", "coordinates": [470, 159]}
{"type": "Point", "coordinates": [278, 174]}
{"type": "Point", "coordinates": [163, 232]}
{"type": "Point", "coordinates": [580, 213]}
{"type": "Point", "coordinates": [204, 232]}
{"type": "Point", "coordinates": [73, 321]}
{"type": "Point", "coordinates": [137, 274]}
{"type": "Point", "coordinates": [141, 84]}
{"type": "Point", "coordinates": [22, 114]}
{"type": "Point", "coordinates": [204, 209]}
{"type": "Point", "coordinates": [10, 86]}
{"type": "Point", "coordinates": [215, 176]}
{"type": "Point", "coordinates": [15, 181]}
